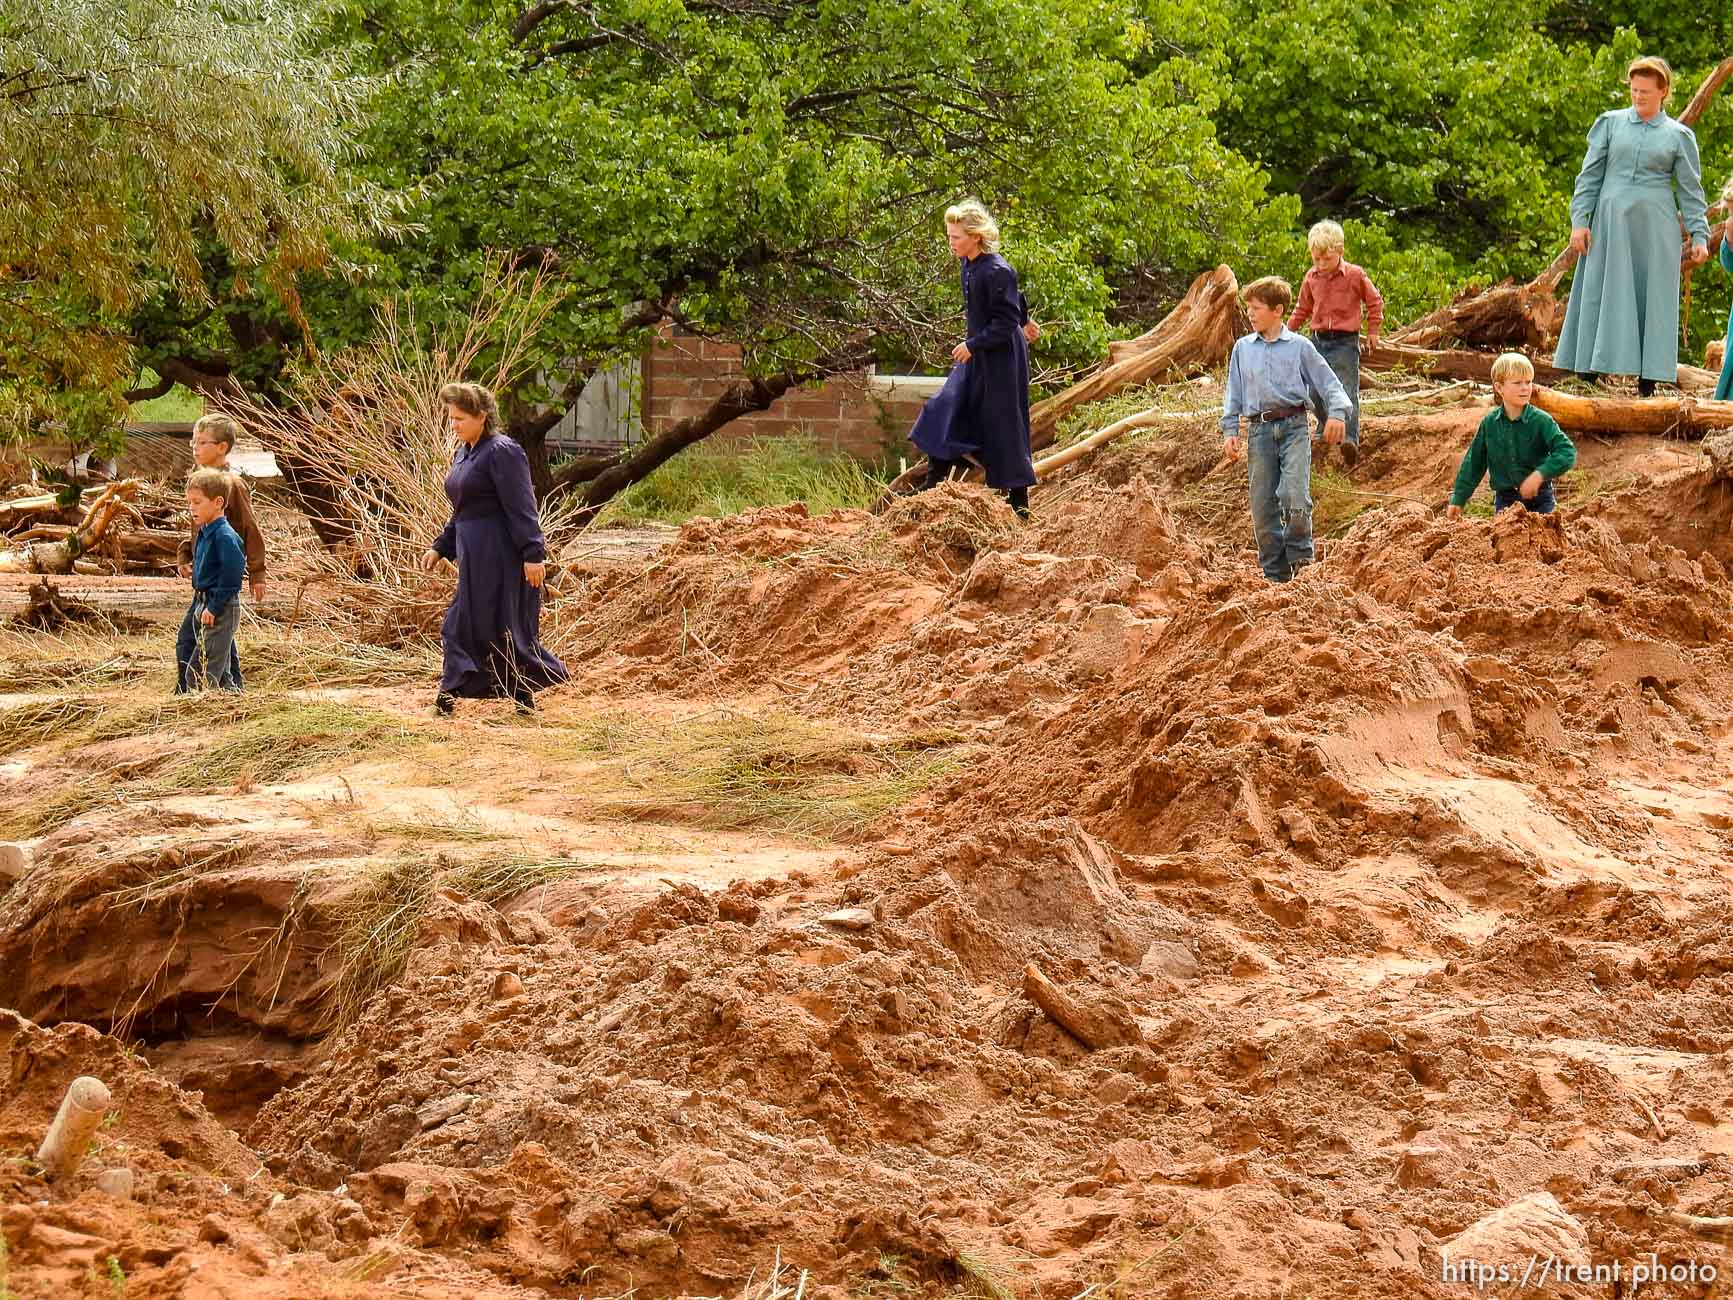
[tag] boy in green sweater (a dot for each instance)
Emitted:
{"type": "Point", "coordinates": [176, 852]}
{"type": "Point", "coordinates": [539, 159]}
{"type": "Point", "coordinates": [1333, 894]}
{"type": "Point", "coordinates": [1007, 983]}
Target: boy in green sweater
{"type": "Point", "coordinates": [1521, 445]}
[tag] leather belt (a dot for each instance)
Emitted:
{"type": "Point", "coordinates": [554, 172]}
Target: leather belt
{"type": "Point", "coordinates": [1277, 413]}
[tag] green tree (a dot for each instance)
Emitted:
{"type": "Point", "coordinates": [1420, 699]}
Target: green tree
{"type": "Point", "coordinates": [140, 139]}
{"type": "Point", "coordinates": [773, 172]}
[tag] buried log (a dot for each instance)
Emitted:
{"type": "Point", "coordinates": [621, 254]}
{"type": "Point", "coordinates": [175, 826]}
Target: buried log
{"type": "Point", "coordinates": [59, 557]}
{"type": "Point", "coordinates": [1709, 1228]}
{"type": "Point", "coordinates": [1095, 1022]}
{"type": "Point", "coordinates": [75, 1123]}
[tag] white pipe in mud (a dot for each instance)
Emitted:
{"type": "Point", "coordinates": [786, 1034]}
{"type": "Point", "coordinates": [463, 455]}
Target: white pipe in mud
{"type": "Point", "coordinates": [81, 1110]}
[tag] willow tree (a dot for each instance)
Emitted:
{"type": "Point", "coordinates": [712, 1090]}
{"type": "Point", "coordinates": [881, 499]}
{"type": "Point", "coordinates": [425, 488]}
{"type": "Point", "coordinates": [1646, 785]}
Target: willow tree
{"type": "Point", "coordinates": [138, 140]}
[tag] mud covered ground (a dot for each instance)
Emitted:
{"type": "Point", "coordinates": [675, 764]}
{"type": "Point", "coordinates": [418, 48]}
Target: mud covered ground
{"type": "Point", "coordinates": [923, 905]}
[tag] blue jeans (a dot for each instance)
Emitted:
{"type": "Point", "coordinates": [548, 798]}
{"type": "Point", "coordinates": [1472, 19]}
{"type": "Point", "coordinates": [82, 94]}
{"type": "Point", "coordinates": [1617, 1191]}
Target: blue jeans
{"type": "Point", "coordinates": [1279, 464]}
{"type": "Point", "coordinates": [1543, 503]}
{"type": "Point", "coordinates": [1343, 356]}
{"type": "Point", "coordinates": [198, 648]}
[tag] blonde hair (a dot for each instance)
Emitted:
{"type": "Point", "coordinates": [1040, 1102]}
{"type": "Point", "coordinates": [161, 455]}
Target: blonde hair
{"type": "Point", "coordinates": [1652, 65]}
{"type": "Point", "coordinates": [1325, 236]}
{"type": "Point", "coordinates": [1272, 291]}
{"type": "Point", "coordinates": [973, 217]}
{"type": "Point", "coordinates": [211, 484]}
{"type": "Point", "coordinates": [473, 399]}
{"type": "Point", "coordinates": [1511, 365]}
{"type": "Point", "coordinates": [222, 427]}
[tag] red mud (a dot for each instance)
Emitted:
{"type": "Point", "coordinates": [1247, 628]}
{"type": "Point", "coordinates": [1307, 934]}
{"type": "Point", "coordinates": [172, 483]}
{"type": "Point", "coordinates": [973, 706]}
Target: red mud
{"type": "Point", "coordinates": [1387, 902]}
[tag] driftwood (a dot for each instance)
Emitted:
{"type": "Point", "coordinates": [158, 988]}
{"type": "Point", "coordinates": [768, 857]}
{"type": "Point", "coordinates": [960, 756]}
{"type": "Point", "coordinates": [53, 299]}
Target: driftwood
{"type": "Point", "coordinates": [1195, 335]}
{"type": "Point", "coordinates": [1676, 417]}
{"type": "Point", "coordinates": [1094, 1022]}
{"type": "Point", "coordinates": [60, 556]}
{"type": "Point", "coordinates": [1461, 364]}
{"type": "Point", "coordinates": [1505, 316]}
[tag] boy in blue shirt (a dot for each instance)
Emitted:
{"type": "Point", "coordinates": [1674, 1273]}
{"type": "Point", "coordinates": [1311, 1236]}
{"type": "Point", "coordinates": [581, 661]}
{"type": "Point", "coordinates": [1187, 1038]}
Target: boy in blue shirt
{"type": "Point", "coordinates": [1273, 376]}
{"type": "Point", "coordinates": [1520, 445]}
{"type": "Point", "coordinates": [219, 565]}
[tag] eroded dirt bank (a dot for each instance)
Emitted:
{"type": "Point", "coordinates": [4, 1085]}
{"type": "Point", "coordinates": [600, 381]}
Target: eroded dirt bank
{"type": "Point", "coordinates": [1375, 906]}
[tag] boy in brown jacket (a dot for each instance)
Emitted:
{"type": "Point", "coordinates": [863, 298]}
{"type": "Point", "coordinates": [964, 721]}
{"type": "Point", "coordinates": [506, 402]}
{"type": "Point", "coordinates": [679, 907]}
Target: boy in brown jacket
{"type": "Point", "coordinates": [213, 439]}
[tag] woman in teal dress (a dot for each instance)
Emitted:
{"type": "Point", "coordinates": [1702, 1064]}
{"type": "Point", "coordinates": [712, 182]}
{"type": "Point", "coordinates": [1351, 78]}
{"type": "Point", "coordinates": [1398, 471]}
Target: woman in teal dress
{"type": "Point", "coordinates": [1623, 316]}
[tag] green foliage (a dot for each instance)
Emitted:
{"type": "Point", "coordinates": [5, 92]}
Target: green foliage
{"type": "Point", "coordinates": [137, 135]}
{"type": "Point", "coordinates": [776, 172]}
{"type": "Point", "coordinates": [725, 478]}
{"type": "Point", "coordinates": [177, 405]}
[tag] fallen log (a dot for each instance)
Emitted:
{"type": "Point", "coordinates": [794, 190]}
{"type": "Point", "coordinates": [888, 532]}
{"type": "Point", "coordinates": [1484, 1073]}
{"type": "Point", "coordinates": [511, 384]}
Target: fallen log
{"type": "Point", "coordinates": [1660, 417]}
{"type": "Point", "coordinates": [1463, 364]}
{"type": "Point", "coordinates": [1094, 1022]}
{"type": "Point", "coordinates": [60, 556]}
{"type": "Point", "coordinates": [1195, 335]}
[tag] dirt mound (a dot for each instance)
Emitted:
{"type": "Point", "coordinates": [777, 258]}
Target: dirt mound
{"type": "Point", "coordinates": [206, 1218]}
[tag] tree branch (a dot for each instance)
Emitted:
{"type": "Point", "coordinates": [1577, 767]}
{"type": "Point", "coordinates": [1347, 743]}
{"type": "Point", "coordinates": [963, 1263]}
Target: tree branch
{"type": "Point", "coordinates": [743, 397]}
{"type": "Point", "coordinates": [535, 16]}
{"type": "Point", "coordinates": [154, 391]}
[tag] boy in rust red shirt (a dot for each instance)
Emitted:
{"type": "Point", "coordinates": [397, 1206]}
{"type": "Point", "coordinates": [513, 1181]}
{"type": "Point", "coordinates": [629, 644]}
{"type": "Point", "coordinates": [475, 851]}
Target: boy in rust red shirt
{"type": "Point", "coordinates": [1331, 298]}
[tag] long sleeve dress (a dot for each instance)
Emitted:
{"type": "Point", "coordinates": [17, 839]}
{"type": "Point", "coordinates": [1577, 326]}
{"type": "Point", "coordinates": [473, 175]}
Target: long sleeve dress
{"type": "Point", "coordinates": [1724, 386]}
{"type": "Point", "coordinates": [492, 630]}
{"type": "Point", "coordinates": [982, 412]}
{"type": "Point", "coordinates": [1623, 315]}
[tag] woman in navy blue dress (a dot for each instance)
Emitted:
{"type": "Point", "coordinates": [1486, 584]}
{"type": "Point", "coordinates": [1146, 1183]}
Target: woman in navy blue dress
{"type": "Point", "coordinates": [492, 630]}
{"type": "Point", "coordinates": [981, 415]}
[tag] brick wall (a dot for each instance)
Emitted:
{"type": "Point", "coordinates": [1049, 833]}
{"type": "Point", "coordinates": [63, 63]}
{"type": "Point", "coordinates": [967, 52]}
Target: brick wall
{"type": "Point", "coordinates": [853, 413]}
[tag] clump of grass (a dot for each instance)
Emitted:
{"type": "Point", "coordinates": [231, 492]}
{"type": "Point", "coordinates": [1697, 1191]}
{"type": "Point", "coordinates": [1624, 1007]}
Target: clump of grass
{"type": "Point", "coordinates": [981, 1278]}
{"type": "Point", "coordinates": [250, 738]}
{"type": "Point", "coordinates": [290, 663]}
{"type": "Point", "coordinates": [1336, 502]}
{"type": "Point", "coordinates": [295, 735]}
{"type": "Point", "coordinates": [378, 924]}
{"type": "Point", "coordinates": [730, 770]}
{"type": "Point", "coordinates": [726, 478]}
{"type": "Point", "coordinates": [25, 725]}
{"type": "Point", "coordinates": [74, 659]}
{"type": "Point", "coordinates": [62, 806]}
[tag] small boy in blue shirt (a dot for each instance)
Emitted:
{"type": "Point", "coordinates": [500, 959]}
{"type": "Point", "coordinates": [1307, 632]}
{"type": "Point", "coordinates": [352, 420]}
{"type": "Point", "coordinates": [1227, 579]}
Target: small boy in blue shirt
{"type": "Point", "coordinates": [219, 566]}
{"type": "Point", "coordinates": [1518, 444]}
{"type": "Point", "coordinates": [1273, 376]}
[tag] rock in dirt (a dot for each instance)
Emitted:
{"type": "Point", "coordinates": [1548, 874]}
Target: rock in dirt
{"type": "Point", "coordinates": [1535, 1227]}
{"type": "Point", "coordinates": [849, 918]}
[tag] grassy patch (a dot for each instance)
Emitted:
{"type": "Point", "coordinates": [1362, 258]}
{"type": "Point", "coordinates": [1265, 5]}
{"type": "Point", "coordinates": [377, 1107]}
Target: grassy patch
{"type": "Point", "coordinates": [75, 660]}
{"type": "Point", "coordinates": [177, 406]}
{"type": "Point", "coordinates": [378, 925]}
{"type": "Point", "coordinates": [725, 478]}
{"type": "Point", "coordinates": [1336, 502]}
{"type": "Point", "coordinates": [728, 770]}
{"type": "Point", "coordinates": [212, 742]}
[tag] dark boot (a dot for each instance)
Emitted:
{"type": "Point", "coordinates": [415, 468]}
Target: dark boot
{"type": "Point", "coordinates": [1019, 499]}
{"type": "Point", "coordinates": [1645, 386]}
{"type": "Point", "coordinates": [937, 472]}
{"type": "Point", "coordinates": [444, 705]}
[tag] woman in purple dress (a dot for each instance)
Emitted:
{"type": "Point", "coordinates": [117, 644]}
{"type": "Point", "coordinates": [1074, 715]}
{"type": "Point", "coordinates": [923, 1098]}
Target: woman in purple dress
{"type": "Point", "coordinates": [492, 629]}
{"type": "Point", "coordinates": [981, 415]}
